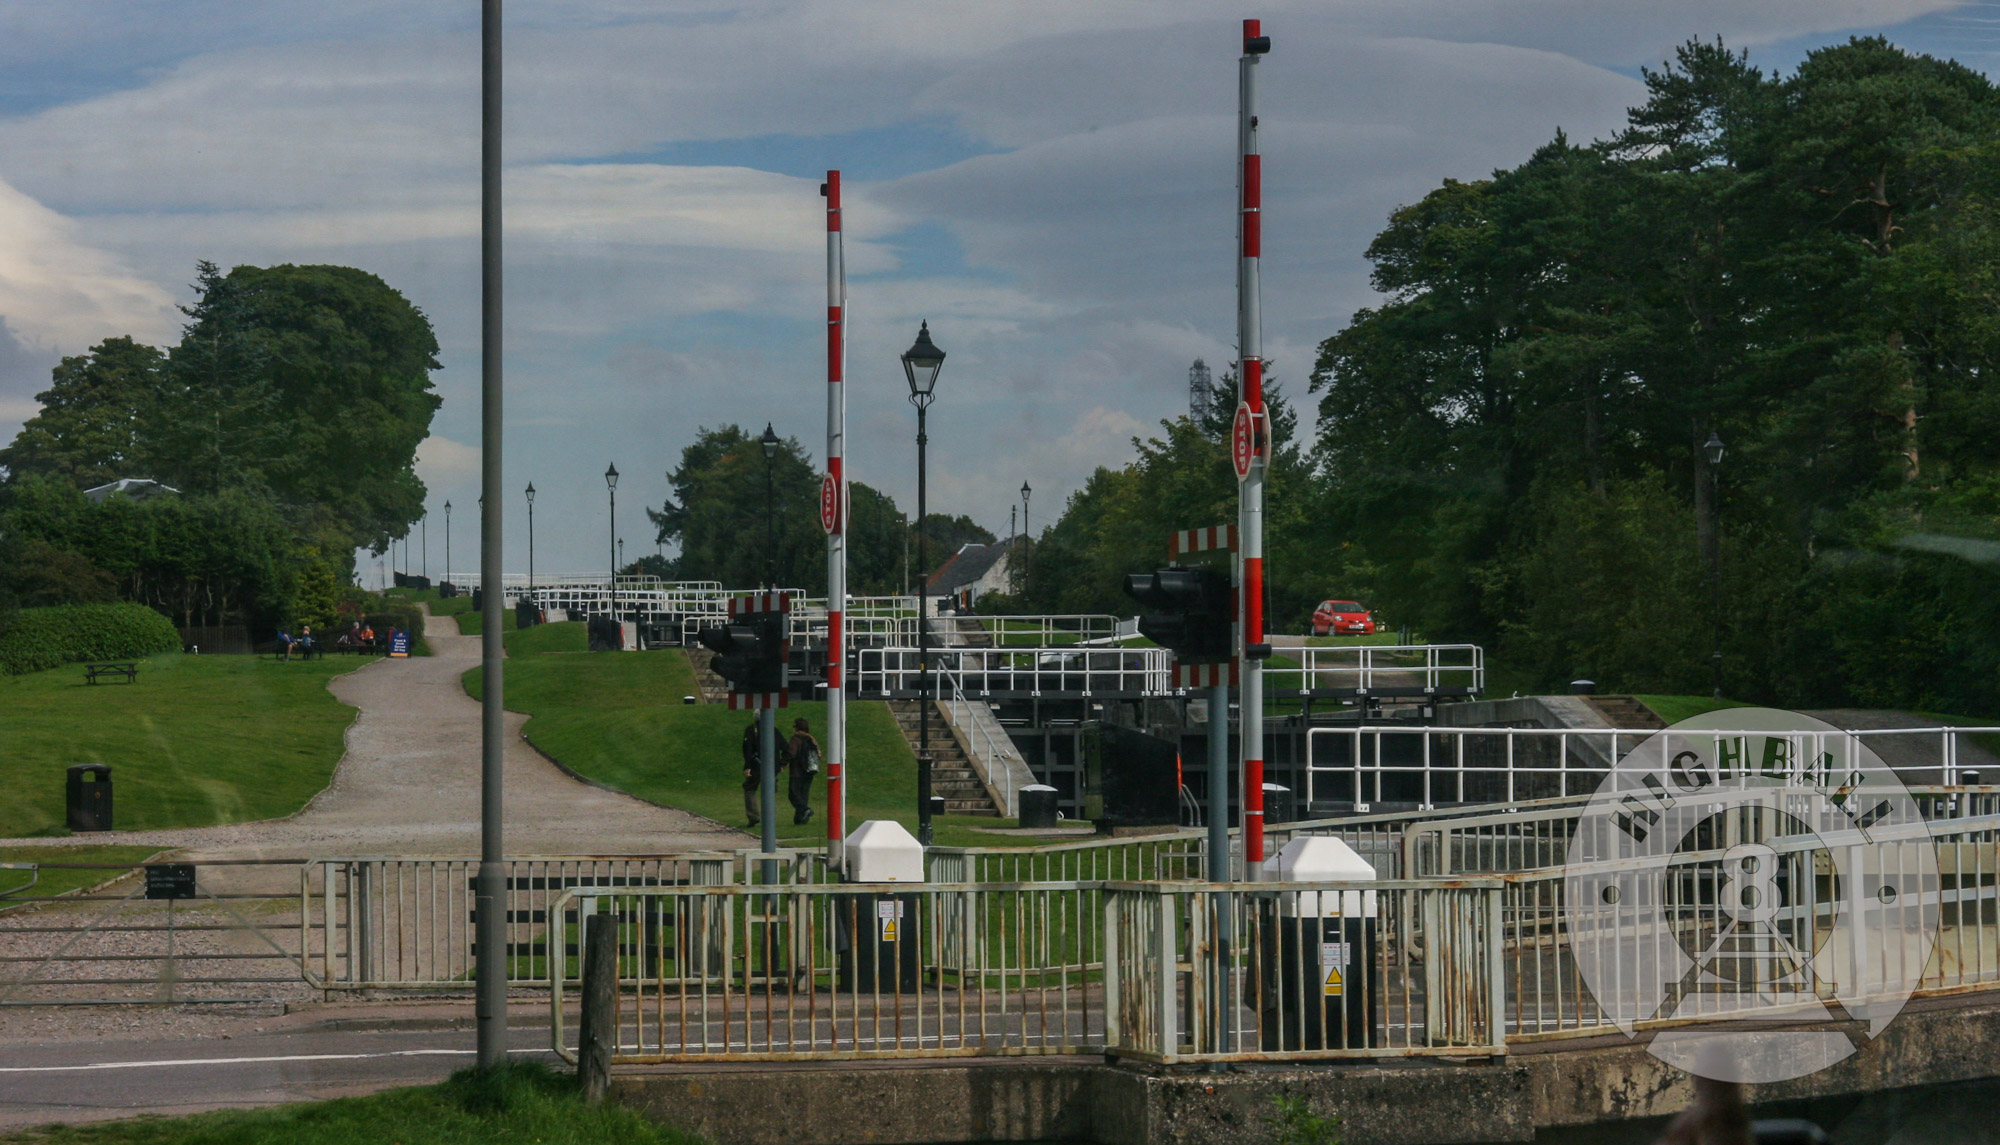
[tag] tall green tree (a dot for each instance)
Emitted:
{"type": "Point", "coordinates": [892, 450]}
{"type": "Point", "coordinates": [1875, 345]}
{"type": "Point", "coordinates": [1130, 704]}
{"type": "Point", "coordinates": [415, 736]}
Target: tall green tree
{"type": "Point", "coordinates": [95, 417]}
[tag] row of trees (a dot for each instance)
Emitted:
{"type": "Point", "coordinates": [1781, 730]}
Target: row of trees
{"type": "Point", "coordinates": [741, 518]}
{"type": "Point", "coordinates": [1509, 446]}
{"type": "Point", "coordinates": [287, 417]}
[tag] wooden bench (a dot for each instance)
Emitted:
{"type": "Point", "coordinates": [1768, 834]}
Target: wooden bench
{"type": "Point", "coordinates": [129, 670]}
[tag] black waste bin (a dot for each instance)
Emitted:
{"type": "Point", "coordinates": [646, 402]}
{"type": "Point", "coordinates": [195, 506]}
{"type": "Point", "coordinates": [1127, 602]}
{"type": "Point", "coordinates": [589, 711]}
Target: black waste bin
{"type": "Point", "coordinates": [89, 797]}
{"type": "Point", "coordinates": [478, 601]}
{"type": "Point", "coordinates": [1277, 804]}
{"type": "Point", "coordinates": [1038, 805]}
{"type": "Point", "coordinates": [890, 941]}
{"type": "Point", "coordinates": [526, 615]}
{"type": "Point", "coordinates": [1319, 988]}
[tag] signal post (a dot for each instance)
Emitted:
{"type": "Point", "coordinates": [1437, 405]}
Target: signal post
{"type": "Point", "coordinates": [753, 653]}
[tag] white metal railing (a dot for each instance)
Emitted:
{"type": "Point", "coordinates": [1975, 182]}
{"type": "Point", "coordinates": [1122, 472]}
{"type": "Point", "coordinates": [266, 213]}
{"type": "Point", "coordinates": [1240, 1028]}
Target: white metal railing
{"type": "Point", "coordinates": [1491, 764]}
{"type": "Point", "coordinates": [847, 971]}
{"type": "Point", "coordinates": [1380, 669]}
{"type": "Point", "coordinates": [990, 671]}
{"type": "Point", "coordinates": [1933, 930]}
{"type": "Point", "coordinates": [988, 747]}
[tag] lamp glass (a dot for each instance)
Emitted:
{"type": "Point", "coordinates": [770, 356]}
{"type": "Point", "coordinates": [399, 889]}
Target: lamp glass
{"type": "Point", "coordinates": [770, 441]}
{"type": "Point", "coordinates": [531, 493]}
{"type": "Point", "coordinates": [611, 476]}
{"type": "Point", "coordinates": [921, 363]}
{"type": "Point", "coordinates": [1713, 448]}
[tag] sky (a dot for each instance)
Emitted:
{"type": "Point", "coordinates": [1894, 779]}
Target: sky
{"type": "Point", "coordinates": [1050, 184]}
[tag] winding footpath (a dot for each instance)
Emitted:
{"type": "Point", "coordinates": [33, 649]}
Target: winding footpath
{"type": "Point", "coordinates": [408, 784]}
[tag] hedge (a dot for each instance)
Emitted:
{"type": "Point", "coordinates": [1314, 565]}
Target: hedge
{"type": "Point", "coordinates": [36, 639]}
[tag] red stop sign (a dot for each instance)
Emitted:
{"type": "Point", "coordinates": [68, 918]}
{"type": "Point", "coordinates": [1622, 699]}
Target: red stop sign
{"type": "Point", "coordinates": [829, 504]}
{"type": "Point", "coordinates": [1243, 440]}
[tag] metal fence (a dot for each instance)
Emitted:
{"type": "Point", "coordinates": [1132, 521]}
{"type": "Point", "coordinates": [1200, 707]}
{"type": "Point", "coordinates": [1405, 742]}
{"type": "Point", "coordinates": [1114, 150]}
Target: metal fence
{"type": "Point", "coordinates": [998, 672]}
{"type": "Point", "coordinates": [1385, 670]}
{"type": "Point", "coordinates": [1431, 765]}
{"type": "Point", "coordinates": [848, 971]}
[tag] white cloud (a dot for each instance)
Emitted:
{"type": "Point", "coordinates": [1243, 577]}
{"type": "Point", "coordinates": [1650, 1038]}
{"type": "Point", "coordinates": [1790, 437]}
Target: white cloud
{"type": "Point", "coordinates": [442, 461]}
{"type": "Point", "coordinates": [57, 292]}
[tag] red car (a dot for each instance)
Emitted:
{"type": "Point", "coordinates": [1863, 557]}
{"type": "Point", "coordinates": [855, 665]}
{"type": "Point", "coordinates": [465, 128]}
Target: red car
{"type": "Point", "coordinates": [1342, 618]}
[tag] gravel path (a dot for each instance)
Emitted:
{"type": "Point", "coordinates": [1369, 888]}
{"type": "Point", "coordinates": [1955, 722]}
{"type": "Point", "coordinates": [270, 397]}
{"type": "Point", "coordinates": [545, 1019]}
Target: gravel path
{"type": "Point", "coordinates": [409, 784]}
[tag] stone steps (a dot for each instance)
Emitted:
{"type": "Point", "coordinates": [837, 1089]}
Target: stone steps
{"type": "Point", "coordinates": [952, 774]}
{"type": "Point", "coordinates": [1626, 712]}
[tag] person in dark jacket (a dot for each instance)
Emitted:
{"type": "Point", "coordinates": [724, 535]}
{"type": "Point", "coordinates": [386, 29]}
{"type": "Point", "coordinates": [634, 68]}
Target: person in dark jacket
{"type": "Point", "coordinates": [802, 761]}
{"type": "Point", "coordinates": [752, 781]}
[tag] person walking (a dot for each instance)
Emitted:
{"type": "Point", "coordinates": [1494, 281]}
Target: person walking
{"type": "Point", "coordinates": [802, 761]}
{"type": "Point", "coordinates": [751, 780]}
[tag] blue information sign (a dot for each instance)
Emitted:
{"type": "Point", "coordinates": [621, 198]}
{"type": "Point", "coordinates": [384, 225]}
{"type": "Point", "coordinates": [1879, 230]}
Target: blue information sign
{"type": "Point", "coordinates": [399, 643]}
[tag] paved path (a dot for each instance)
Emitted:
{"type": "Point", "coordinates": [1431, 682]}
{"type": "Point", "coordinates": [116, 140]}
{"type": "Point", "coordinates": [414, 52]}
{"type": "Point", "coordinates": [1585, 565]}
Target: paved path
{"type": "Point", "coordinates": [409, 784]}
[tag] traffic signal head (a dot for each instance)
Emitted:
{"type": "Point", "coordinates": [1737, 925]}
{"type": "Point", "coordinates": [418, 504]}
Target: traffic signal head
{"type": "Point", "coordinates": [1195, 610]}
{"type": "Point", "coordinates": [750, 653]}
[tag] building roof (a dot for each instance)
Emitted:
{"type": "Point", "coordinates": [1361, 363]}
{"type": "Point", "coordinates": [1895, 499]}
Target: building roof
{"type": "Point", "coordinates": [137, 488]}
{"type": "Point", "coordinates": [967, 565]}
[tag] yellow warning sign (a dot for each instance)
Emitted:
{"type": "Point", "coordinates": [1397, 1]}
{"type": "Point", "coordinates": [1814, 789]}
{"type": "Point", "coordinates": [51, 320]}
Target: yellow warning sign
{"type": "Point", "coordinates": [888, 920]}
{"type": "Point", "coordinates": [1332, 964]}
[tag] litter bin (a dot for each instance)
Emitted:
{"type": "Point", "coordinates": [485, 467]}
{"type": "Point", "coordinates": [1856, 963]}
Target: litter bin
{"type": "Point", "coordinates": [478, 601]}
{"type": "Point", "coordinates": [89, 797]}
{"type": "Point", "coordinates": [525, 615]}
{"type": "Point", "coordinates": [878, 938]}
{"type": "Point", "coordinates": [1038, 805]}
{"type": "Point", "coordinates": [1318, 952]}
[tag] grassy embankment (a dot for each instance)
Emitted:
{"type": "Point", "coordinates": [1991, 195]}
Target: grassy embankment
{"type": "Point", "coordinates": [55, 881]}
{"type": "Point", "coordinates": [523, 1105]}
{"type": "Point", "coordinates": [618, 718]}
{"type": "Point", "coordinates": [193, 742]}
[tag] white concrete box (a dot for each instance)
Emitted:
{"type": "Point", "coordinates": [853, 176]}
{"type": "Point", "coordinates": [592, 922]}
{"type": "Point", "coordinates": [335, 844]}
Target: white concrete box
{"type": "Point", "coordinates": [883, 851]}
{"type": "Point", "coordinates": [1323, 858]}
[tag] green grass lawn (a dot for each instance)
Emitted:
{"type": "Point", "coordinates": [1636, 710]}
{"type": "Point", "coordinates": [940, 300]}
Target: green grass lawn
{"type": "Point", "coordinates": [55, 881]}
{"type": "Point", "coordinates": [1674, 709]}
{"type": "Point", "coordinates": [472, 623]}
{"type": "Point", "coordinates": [194, 741]}
{"type": "Point", "coordinates": [618, 718]}
{"type": "Point", "coordinates": [526, 1104]}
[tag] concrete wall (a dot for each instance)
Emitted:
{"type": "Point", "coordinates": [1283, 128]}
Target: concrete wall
{"type": "Point", "coordinates": [1379, 1103]}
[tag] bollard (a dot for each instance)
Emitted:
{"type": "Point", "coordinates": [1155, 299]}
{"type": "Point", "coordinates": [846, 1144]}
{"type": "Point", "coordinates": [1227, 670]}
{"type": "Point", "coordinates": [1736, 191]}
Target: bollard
{"type": "Point", "coordinates": [599, 1029]}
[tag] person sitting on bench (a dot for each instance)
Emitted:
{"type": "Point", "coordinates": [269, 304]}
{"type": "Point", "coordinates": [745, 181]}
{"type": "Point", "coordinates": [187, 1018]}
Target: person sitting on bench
{"type": "Point", "coordinates": [286, 642]}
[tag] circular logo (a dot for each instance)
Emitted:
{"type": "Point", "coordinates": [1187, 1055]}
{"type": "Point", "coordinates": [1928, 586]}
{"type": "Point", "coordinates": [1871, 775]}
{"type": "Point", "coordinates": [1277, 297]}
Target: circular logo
{"type": "Point", "coordinates": [1745, 879]}
{"type": "Point", "coordinates": [1243, 440]}
{"type": "Point", "coordinates": [829, 504]}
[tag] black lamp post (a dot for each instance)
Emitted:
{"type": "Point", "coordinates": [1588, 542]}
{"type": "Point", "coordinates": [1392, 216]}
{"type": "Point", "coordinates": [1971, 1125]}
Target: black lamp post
{"type": "Point", "coordinates": [770, 443]}
{"type": "Point", "coordinates": [447, 542]}
{"type": "Point", "coordinates": [1712, 540]}
{"type": "Point", "coordinates": [531, 542]}
{"type": "Point", "coordinates": [611, 483]}
{"type": "Point", "coordinates": [425, 525]}
{"type": "Point", "coordinates": [1025, 534]}
{"type": "Point", "coordinates": [921, 363]}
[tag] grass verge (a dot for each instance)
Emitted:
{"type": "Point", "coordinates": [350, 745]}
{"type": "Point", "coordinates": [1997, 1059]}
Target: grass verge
{"type": "Point", "coordinates": [617, 717]}
{"type": "Point", "coordinates": [1674, 709]}
{"type": "Point", "coordinates": [522, 1103]}
{"type": "Point", "coordinates": [194, 741]}
{"type": "Point", "coordinates": [60, 881]}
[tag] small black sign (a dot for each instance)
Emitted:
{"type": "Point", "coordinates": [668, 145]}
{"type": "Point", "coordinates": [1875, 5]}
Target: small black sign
{"type": "Point", "coordinates": [170, 881]}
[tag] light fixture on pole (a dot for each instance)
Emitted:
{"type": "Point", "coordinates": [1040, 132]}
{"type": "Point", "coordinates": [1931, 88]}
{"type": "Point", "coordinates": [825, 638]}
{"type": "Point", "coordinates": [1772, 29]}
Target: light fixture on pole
{"type": "Point", "coordinates": [1711, 537]}
{"type": "Point", "coordinates": [921, 363]}
{"type": "Point", "coordinates": [770, 443]}
{"type": "Point", "coordinates": [1025, 535]}
{"type": "Point", "coordinates": [531, 542]}
{"type": "Point", "coordinates": [447, 542]}
{"type": "Point", "coordinates": [611, 484]}
{"type": "Point", "coordinates": [425, 525]}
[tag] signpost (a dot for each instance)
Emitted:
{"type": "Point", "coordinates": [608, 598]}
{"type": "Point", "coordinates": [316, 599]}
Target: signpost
{"type": "Point", "coordinates": [399, 644]}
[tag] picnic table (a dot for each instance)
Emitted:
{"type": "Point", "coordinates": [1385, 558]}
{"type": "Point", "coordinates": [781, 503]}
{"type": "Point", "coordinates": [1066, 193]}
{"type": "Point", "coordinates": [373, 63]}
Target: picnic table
{"type": "Point", "coordinates": [128, 669]}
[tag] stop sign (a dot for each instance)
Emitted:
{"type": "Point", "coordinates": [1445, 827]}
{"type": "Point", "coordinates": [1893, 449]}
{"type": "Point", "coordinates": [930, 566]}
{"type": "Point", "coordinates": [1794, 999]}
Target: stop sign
{"type": "Point", "coordinates": [1243, 440]}
{"type": "Point", "coordinates": [829, 504]}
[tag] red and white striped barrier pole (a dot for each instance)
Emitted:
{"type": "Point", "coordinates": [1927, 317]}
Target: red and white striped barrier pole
{"type": "Point", "coordinates": [833, 517]}
{"type": "Point", "coordinates": [1250, 510]}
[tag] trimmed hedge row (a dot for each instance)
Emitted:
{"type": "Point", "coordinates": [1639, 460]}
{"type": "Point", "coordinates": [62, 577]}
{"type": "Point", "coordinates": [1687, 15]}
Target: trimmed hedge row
{"type": "Point", "coordinates": [37, 639]}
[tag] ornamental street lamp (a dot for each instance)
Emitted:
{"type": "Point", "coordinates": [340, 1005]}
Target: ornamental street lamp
{"type": "Point", "coordinates": [425, 525]}
{"type": "Point", "coordinates": [770, 443]}
{"type": "Point", "coordinates": [921, 363]}
{"type": "Point", "coordinates": [531, 542]}
{"type": "Point", "coordinates": [1025, 534]}
{"type": "Point", "coordinates": [611, 484]}
{"type": "Point", "coordinates": [447, 542]}
{"type": "Point", "coordinates": [1711, 532]}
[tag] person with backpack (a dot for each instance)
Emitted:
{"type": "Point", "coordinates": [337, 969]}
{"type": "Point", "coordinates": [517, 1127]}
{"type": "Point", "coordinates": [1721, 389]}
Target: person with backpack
{"type": "Point", "coordinates": [802, 761]}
